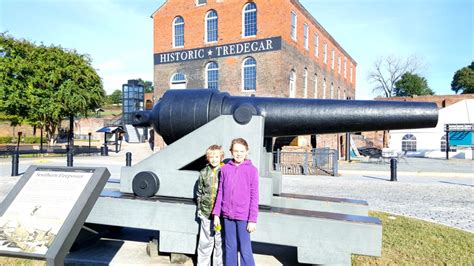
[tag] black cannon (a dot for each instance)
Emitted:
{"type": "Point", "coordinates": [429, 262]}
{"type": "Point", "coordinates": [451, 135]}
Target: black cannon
{"type": "Point", "coordinates": [179, 112]}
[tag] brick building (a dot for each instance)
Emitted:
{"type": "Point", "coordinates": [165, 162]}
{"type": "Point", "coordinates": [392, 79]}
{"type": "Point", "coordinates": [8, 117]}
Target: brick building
{"type": "Point", "coordinates": [261, 47]}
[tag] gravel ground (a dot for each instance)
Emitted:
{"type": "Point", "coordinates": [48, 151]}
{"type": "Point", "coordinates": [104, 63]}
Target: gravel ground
{"type": "Point", "coordinates": [444, 200]}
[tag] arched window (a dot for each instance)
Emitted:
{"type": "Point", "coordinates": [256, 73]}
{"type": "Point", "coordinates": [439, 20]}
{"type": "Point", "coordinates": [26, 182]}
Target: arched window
{"type": "Point", "coordinates": [324, 88]}
{"type": "Point", "coordinates": [249, 74]}
{"type": "Point", "coordinates": [178, 81]}
{"type": "Point", "coordinates": [211, 26]}
{"type": "Point", "coordinates": [315, 85]}
{"type": "Point", "coordinates": [212, 75]}
{"type": "Point", "coordinates": [305, 83]}
{"type": "Point", "coordinates": [249, 20]}
{"type": "Point", "coordinates": [409, 143]}
{"type": "Point", "coordinates": [292, 87]}
{"type": "Point", "coordinates": [178, 32]}
{"type": "Point", "coordinates": [443, 144]}
{"type": "Point", "coordinates": [331, 91]}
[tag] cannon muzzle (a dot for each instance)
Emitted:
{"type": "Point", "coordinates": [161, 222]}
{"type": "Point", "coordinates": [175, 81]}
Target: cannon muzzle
{"type": "Point", "coordinates": [180, 112]}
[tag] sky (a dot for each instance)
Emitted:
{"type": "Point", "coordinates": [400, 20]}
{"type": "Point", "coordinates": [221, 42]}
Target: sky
{"type": "Point", "coordinates": [118, 34]}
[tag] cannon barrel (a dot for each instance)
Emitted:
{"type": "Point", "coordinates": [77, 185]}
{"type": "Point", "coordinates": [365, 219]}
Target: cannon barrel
{"type": "Point", "coordinates": [179, 112]}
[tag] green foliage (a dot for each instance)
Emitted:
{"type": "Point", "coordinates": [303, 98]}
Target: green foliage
{"type": "Point", "coordinates": [115, 97]}
{"type": "Point", "coordinates": [41, 85]}
{"type": "Point", "coordinates": [6, 139]}
{"type": "Point", "coordinates": [412, 84]}
{"type": "Point", "coordinates": [463, 80]}
{"type": "Point", "coordinates": [147, 85]}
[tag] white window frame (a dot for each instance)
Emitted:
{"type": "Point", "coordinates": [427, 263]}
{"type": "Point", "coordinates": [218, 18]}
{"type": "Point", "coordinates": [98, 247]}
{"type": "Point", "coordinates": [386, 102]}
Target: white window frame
{"type": "Point", "coordinates": [243, 19]}
{"type": "Point", "coordinates": [207, 70]}
{"type": "Point", "coordinates": [409, 142]}
{"type": "Point", "coordinates": [345, 68]}
{"type": "Point", "coordinates": [305, 83]}
{"type": "Point", "coordinates": [338, 92]}
{"type": "Point", "coordinates": [331, 91]}
{"type": "Point", "coordinates": [333, 55]}
{"type": "Point", "coordinates": [201, 4]}
{"type": "Point", "coordinates": [292, 84]}
{"type": "Point", "coordinates": [324, 88]}
{"type": "Point", "coordinates": [294, 26]}
{"type": "Point", "coordinates": [243, 74]}
{"type": "Point", "coordinates": [306, 36]}
{"type": "Point", "coordinates": [351, 74]}
{"type": "Point", "coordinates": [315, 85]}
{"type": "Point", "coordinates": [174, 33]}
{"type": "Point", "coordinates": [339, 64]}
{"type": "Point", "coordinates": [316, 44]}
{"type": "Point", "coordinates": [184, 81]}
{"type": "Point", "coordinates": [325, 53]}
{"type": "Point", "coordinates": [206, 30]}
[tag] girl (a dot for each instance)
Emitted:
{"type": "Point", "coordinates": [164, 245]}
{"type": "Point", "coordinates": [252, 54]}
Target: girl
{"type": "Point", "coordinates": [237, 202]}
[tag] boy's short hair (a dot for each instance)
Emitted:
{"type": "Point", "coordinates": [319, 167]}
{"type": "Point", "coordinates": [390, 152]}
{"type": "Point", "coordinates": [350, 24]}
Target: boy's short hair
{"type": "Point", "coordinates": [215, 148]}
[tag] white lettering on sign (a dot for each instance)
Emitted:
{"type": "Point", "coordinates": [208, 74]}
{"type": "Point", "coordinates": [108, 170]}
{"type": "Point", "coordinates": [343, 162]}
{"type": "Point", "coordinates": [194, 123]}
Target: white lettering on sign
{"type": "Point", "coordinates": [256, 46]}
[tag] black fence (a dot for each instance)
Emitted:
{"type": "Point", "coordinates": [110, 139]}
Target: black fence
{"type": "Point", "coordinates": [314, 162]}
{"type": "Point", "coordinates": [8, 150]}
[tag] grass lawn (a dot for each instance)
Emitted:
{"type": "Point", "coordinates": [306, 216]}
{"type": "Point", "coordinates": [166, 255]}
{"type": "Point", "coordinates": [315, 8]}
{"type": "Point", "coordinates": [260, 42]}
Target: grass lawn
{"type": "Point", "coordinates": [406, 241]}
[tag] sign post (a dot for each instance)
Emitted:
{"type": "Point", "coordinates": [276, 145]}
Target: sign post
{"type": "Point", "coordinates": [42, 215]}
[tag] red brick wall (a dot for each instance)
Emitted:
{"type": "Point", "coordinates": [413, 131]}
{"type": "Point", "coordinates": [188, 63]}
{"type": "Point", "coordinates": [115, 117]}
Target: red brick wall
{"type": "Point", "coordinates": [272, 20]}
{"type": "Point", "coordinates": [440, 100]}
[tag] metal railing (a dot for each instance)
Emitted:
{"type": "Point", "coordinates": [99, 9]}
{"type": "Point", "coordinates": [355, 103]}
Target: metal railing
{"type": "Point", "coordinates": [315, 162]}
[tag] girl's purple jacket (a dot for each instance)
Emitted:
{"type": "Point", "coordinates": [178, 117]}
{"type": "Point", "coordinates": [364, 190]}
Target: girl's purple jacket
{"type": "Point", "coordinates": [237, 197]}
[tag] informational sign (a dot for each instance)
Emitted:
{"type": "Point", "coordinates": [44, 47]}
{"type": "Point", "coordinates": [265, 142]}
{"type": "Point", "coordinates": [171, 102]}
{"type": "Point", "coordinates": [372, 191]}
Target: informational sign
{"type": "Point", "coordinates": [233, 49]}
{"type": "Point", "coordinates": [43, 213]}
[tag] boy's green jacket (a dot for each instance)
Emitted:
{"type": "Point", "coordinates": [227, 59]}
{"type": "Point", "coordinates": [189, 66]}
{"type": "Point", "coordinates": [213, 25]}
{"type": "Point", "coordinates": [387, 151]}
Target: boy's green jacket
{"type": "Point", "coordinates": [208, 183]}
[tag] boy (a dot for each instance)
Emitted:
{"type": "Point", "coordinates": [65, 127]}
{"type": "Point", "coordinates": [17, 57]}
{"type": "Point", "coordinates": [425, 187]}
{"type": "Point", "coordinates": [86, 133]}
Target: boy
{"type": "Point", "coordinates": [208, 183]}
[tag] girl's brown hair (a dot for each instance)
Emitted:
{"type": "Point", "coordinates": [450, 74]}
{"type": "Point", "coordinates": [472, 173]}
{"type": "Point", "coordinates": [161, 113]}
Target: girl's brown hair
{"type": "Point", "coordinates": [240, 141]}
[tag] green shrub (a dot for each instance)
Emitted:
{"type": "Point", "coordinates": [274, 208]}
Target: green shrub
{"type": "Point", "coordinates": [6, 140]}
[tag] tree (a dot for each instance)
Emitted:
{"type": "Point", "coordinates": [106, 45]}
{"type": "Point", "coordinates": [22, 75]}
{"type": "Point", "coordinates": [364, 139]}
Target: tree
{"type": "Point", "coordinates": [115, 97]}
{"type": "Point", "coordinates": [388, 70]}
{"type": "Point", "coordinates": [412, 84]}
{"type": "Point", "coordinates": [42, 85]}
{"type": "Point", "coordinates": [147, 85]}
{"type": "Point", "coordinates": [463, 80]}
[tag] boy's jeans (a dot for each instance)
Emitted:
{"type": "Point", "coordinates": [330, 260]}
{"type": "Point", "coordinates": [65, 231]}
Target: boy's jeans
{"type": "Point", "coordinates": [209, 240]}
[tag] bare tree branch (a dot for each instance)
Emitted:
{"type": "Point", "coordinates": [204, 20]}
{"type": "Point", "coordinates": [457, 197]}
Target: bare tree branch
{"type": "Point", "coordinates": [389, 69]}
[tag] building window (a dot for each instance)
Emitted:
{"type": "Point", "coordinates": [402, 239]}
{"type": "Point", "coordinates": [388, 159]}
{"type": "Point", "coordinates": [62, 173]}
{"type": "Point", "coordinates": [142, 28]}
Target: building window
{"type": "Point", "coordinates": [338, 92]}
{"type": "Point", "coordinates": [325, 53]}
{"type": "Point", "coordinates": [333, 54]}
{"type": "Point", "coordinates": [249, 74]}
{"type": "Point", "coordinates": [324, 88]}
{"type": "Point", "coordinates": [339, 64]}
{"type": "Point", "coordinates": [443, 145]}
{"type": "Point", "coordinates": [292, 84]}
{"type": "Point", "coordinates": [178, 32]}
{"type": "Point", "coordinates": [316, 45]}
{"type": "Point", "coordinates": [408, 143]}
{"type": "Point", "coordinates": [305, 36]}
{"type": "Point", "coordinates": [345, 67]}
{"type": "Point", "coordinates": [315, 85]}
{"type": "Point", "coordinates": [294, 20]}
{"type": "Point", "coordinates": [178, 81]}
{"type": "Point", "coordinates": [201, 2]}
{"type": "Point", "coordinates": [212, 75]}
{"type": "Point", "coordinates": [305, 83]}
{"type": "Point", "coordinates": [250, 20]}
{"type": "Point", "coordinates": [351, 73]}
{"type": "Point", "coordinates": [331, 91]}
{"type": "Point", "coordinates": [211, 26]}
